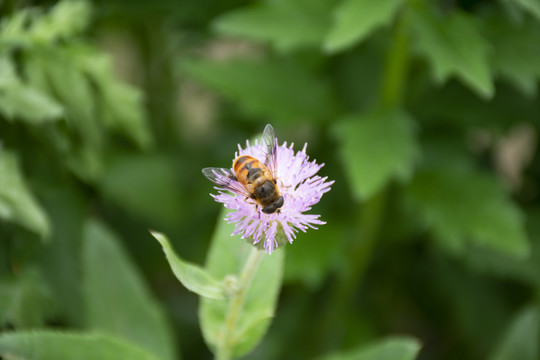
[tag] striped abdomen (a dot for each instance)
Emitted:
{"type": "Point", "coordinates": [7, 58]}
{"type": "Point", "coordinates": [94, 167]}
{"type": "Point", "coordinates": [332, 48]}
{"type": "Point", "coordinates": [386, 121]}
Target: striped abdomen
{"type": "Point", "coordinates": [259, 182]}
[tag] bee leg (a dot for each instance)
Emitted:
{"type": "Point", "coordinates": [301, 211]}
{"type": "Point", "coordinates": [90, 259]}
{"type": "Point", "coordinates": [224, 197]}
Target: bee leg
{"type": "Point", "coordinates": [258, 210]}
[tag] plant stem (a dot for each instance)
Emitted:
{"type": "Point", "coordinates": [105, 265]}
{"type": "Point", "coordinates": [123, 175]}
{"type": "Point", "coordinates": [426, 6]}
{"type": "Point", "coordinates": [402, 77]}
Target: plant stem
{"type": "Point", "coordinates": [369, 227]}
{"type": "Point", "coordinates": [396, 65]}
{"type": "Point", "coordinates": [391, 96]}
{"type": "Point", "coordinates": [227, 340]}
{"type": "Point", "coordinates": [366, 235]}
{"type": "Point", "coordinates": [372, 210]}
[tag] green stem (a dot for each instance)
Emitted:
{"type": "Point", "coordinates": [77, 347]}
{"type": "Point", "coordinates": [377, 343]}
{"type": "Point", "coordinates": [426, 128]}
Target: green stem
{"type": "Point", "coordinates": [372, 211]}
{"type": "Point", "coordinates": [396, 65]}
{"type": "Point", "coordinates": [227, 341]}
{"type": "Point", "coordinates": [369, 227]}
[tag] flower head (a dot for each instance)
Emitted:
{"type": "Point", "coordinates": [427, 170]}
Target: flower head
{"type": "Point", "coordinates": [300, 187]}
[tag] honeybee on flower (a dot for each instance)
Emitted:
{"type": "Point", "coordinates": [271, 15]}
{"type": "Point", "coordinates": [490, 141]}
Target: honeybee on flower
{"type": "Point", "coordinates": [269, 187]}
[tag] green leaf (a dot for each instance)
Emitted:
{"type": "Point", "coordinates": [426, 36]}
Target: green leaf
{"type": "Point", "coordinates": [25, 300]}
{"type": "Point", "coordinates": [28, 104]}
{"type": "Point", "coordinates": [30, 27]}
{"type": "Point", "coordinates": [390, 348]}
{"type": "Point", "coordinates": [117, 300]}
{"type": "Point", "coordinates": [465, 112]}
{"type": "Point", "coordinates": [17, 204]}
{"type": "Point", "coordinates": [13, 30]}
{"type": "Point", "coordinates": [85, 161]}
{"type": "Point", "coordinates": [517, 53]}
{"type": "Point", "coordinates": [69, 83]}
{"type": "Point", "coordinates": [454, 47]}
{"type": "Point", "coordinates": [531, 6]}
{"type": "Point", "coordinates": [288, 25]}
{"type": "Point", "coordinates": [120, 104]}
{"type": "Point", "coordinates": [191, 276]}
{"type": "Point", "coordinates": [355, 20]}
{"type": "Point", "coordinates": [272, 89]}
{"type": "Point", "coordinates": [227, 257]}
{"type": "Point", "coordinates": [521, 339]}
{"type": "Point", "coordinates": [54, 345]}
{"type": "Point", "coordinates": [61, 73]}
{"type": "Point", "coordinates": [60, 260]}
{"type": "Point", "coordinates": [459, 205]}
{"type": "Point", "coordinates": [376, 148]}
{"type": "Point", "coordinates": [20, 101]}
{"type": "Point", "coordinates": [66, 19]}
{"type": "Point", "coordinates": [81, 78]}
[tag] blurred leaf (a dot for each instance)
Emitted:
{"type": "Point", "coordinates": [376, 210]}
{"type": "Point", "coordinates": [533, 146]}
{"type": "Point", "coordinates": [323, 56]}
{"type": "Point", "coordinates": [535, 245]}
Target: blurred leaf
{"type": "Point", "coordinates": [312, 257]}
{"type": "Point", "coordinates": [517, 53]}
{"type": "Point", "coordinates": [60, 260]}
{"type": "Point", "coordinates": [144, 185]}
{"type": "Point", "coordinates": [191, 276]}
{"type": "Point", "coordinates": [17, 204]}
{"type": "Point", "coordinates": [18, 100]}
{"type": "Point", "coordinates": [13, 30]}
{"type": "Point", "coordinates": [60, 72]}
{"type": "Point", "coordinates": [390, 348]}
{"type": "Point", "coordinates": [226, 257]}
{"type": "Point", "coordinates": [29, 27]}
{"type": "Point", "coordinates": [464, 111]}
{"type": "Point", "coordinates": [94, 100]}
{"type": "Point", "coordinates": [356, 19]}
{"type": "Point", "coordinates": [117, 300]}
{"type": "Point", "coordinates": [454, 47]}
{"type": "Point", "coordinates": [531, 6]}
{"type": "Point", "coordinates": [55, 345]}
{"type": "Point", "coordinates": [121, 106]}
{"type": "Point", "coordinates": [461, 205]}
{"type": "Point", "coordinates": [272, 89]}
{"type": "Point", "coordinates": [85, 162]}
{"type": "Point", "coordinates": [286, 24]}
{"type": "Point", "coordinates": [81, 79]}
{"type": "Point", "coordinates": [495, 264]}
{"type": "Point", "coordinates": [25, 300]}
{"type": "Point", "coordinates": [66, 19]}
{"type": "Point", "coordinates": [375, 149]}
{"type": "Point", "coordinates": [68, 82]}
{"type": "Point", "coordinates": [521, 340]}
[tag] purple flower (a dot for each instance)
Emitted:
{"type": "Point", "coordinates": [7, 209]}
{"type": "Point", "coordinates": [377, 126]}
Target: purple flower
{"type": "Point", "coordinates": [301, 189]}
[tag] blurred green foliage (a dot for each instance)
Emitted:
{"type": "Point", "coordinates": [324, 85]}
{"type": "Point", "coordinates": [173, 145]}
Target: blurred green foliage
{"type": "Point", "coordinates": [426, 113]}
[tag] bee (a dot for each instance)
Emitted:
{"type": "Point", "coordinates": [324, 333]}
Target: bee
{"type": "Point", "coordinates": [252, 178]}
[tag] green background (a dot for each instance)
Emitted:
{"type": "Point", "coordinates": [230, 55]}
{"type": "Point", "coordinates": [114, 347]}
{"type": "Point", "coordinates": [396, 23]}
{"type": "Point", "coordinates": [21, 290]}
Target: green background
{"type": "Point", "coordinates": [425, 113]}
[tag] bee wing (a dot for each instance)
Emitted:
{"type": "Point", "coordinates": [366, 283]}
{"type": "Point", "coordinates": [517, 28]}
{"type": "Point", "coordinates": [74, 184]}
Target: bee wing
{"type": "Point", "coordinates": [226, 179]}
{"type": "Point", "coordinates": [270, 140]}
